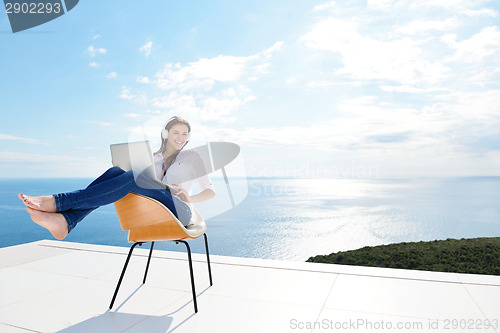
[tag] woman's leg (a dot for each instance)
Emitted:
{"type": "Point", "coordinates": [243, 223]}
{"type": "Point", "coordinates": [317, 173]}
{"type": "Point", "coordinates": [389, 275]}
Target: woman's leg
{"type": "Point", "coordinates": [111, 186]}
{"type": "Point", "coordinates": [43, 209]}
{"type": "Point", "coordinates": [99, 194]}
{"type": "Point", "coordinates": [46, 203]}
{"type": "Point", "coordinates": [110, 189]}
{"type": "Point", "coordinates": [74, 216]}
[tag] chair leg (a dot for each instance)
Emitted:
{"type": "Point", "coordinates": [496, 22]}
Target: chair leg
{"type": "Point", "coordinates": [208, 259]}
{"type": "Point", "coordinates": [191, 272]}
{"type": "Point", "coordinates": [123, 272]}
{"type": "Point", "coordinates": [149, 260]}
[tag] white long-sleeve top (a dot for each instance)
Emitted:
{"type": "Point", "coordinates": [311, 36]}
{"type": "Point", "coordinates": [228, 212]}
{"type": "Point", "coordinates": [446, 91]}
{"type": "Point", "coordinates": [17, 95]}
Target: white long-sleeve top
{"type": "Point", "coordinates": [187, 168]}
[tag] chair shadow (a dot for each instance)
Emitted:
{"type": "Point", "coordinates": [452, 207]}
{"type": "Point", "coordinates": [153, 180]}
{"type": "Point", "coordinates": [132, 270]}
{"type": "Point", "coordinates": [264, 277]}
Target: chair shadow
{"type": "Point", "coordinates": [114, 321]}
{"type": "Point", "coordinates": [111, 322]}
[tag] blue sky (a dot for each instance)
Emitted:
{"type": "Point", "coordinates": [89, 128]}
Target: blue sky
{"type": "Point", "coordinates": [378, 88]}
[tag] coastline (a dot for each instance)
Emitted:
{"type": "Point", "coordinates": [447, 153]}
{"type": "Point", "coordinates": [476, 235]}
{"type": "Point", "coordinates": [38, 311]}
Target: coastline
{"type": "Point", "coordinates": [470, 256]}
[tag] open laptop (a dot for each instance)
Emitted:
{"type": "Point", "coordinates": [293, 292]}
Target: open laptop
{"type": "Point", "coordinates": [137, 156]}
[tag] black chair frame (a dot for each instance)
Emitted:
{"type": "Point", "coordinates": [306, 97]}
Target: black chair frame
{"type": "Point", "coordinates": [147, 267]}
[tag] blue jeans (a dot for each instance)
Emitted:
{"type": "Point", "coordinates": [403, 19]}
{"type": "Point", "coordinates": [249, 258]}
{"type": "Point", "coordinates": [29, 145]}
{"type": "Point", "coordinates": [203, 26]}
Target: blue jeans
{"type": "Point", "coordinates": [111, 186]}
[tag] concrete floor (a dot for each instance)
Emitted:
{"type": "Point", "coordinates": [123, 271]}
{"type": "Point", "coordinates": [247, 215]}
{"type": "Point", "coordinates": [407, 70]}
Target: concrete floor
{"type": "Point", "coordinates": [53, 286]}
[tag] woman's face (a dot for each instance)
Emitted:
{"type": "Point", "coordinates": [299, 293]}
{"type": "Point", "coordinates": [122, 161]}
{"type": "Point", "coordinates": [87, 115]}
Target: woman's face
{"type": "Point", "coordinates": [178, 135]}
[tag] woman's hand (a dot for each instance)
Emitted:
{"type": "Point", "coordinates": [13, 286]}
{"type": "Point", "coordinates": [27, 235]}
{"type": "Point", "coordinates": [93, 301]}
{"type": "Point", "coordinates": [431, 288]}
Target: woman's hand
{"type": "Point", "coordinates": [181, 194]}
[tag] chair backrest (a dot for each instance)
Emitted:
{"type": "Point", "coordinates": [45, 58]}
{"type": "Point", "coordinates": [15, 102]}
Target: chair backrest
{"type": "Point", "coordinates": [149, 220]}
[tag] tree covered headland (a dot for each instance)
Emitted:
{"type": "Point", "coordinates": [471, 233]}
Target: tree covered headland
{"type": "Point", "coordinates": [473, 256]}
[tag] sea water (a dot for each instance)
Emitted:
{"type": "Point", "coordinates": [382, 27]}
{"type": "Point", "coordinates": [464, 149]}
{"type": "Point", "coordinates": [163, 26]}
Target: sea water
{"type": "Point", "coordinates": [294, 219]}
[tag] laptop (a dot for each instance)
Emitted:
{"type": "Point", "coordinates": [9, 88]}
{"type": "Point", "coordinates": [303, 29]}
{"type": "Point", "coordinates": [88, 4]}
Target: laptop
{"type": "Point", "coordinates": [137, 156]}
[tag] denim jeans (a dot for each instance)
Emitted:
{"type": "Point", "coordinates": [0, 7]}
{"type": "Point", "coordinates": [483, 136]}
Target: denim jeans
{"type": "Point", "coordinates": [111, 186]}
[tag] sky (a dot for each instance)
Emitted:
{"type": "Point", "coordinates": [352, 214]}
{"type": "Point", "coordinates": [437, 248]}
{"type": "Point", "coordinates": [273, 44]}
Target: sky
{"type": "Point", "coordinates": [310, 89]}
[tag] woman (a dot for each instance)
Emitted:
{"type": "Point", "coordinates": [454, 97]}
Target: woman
{"type": "Point", "coordinates": [59, 213]}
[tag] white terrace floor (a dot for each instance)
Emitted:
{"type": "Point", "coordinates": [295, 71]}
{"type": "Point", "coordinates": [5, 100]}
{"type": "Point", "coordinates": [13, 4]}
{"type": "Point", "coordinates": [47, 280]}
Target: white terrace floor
{"type": "Point", "coordinates": [51, 286]}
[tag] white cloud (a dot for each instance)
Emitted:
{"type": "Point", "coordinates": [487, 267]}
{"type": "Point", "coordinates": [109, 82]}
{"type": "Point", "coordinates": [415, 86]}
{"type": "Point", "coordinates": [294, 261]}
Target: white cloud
{"type": "Point", "coordinates": [218, 106]}
{"type": "Point", "coordinates": [380, 4]}
{"type": "Point", "coordinates": [204, 73]}
{"type": "Point", "coordinates": [146, 48]}
{"type": "Point", "coordinates": [15, 138]}
{"type": "Point", "coordinates": [480, 106]}
{"type": "Point", "coordinates": [93, 51]}
{"type": "Point", "coordinates": [456, 5]}
{"type": "Point", "coordinates": [43, 165]}
{"type": "Point", "coordinates": [96, 36]}
{"type": "Point", "coordinates": [481, 45]}
{"type": "Point", "coordinates": [327, 83]}
{"type": "Point", "coordinates": [93, 64]}
{"type": "Point", "coordinates": [480, 12]}
{"type": "Point", "coordinates": [449, 128]}
{"type": "Point", "coordinates": [143, 79]}
{"type": "Point", "coordinates": [325, 6]}
{"type": "Point", "coordinates": [7, 156]}
{"type": "Point", "coordinates": [365, 58]}
{"type": "Point", "coordinates": [464, 7]}
{"type": "Point", "coordinates": [207, 89]}
{"type": "Point", "coordinates": [419, 26]}
{"type": "Point", "coordinates": [132, 115]}
{"type": "Point", "coordinates": [410, 89]}
{"type": "Point", "coordinates": [223, 105]}
{"type": "Point", "coordinates": [221, 68]}
{"type": "Point", "coordinates": [126, 94]}
{"type": "Point", "coordinates": [100, 123]}
{"type": "Point", "coordinates": [112, 75]}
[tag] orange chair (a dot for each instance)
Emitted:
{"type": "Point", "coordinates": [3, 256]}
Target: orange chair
{"type": "Point", "coordinates": [148, 220]}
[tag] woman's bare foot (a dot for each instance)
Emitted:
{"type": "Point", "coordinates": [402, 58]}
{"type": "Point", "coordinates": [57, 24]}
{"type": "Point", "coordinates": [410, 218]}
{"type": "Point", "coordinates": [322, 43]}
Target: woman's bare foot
{"type": "Point", "coordinates": [45, 203]}
{"type": "Point", "coordinates": [53, 222]}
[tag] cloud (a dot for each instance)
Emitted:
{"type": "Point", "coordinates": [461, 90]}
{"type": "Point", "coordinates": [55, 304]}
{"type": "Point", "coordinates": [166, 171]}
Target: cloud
{"type": "Point", "coordinates": [93, 64]}
{"type": "Point", "coordinates": [380, 4]}
{"type": "Point", "coordinates": [364, 58]}
{"type": "Point", "coordinates": [218, 106]}
{"type": "Point", "coordinates": [15, 138]}
{"type": "Point", "coordinates": [111, 75]}
{"type": "Point", "coordinates": [206, 89]}
{"type": "Point", "coordinates": [100, 123]}
{"type": "Point", "coordinates": [126, 94]}
{"type": "Point", "coordinates": [464, 7]}
{"type": "Point", "coordinates": [42, 165]}
{"type": "Point", "coordinates": [132, 115]}
{"type": "Point", "coordinates": [93, 51]}
{"type": "Point", "coordinates": [143, 79]}
{"type": "Point", "coordinates": [146, 48]}
{"type": "Point", "coordinates": [204, 73]}
{"type": "Point", "coordinates": [325, 6]}
{"type": "Point", "coordinates": [410, 89]}
{"type": "Point", "coordinates": [96, 36]}
{"type": "Point", "coordinates": [367, 125]}
{"type": "Point", "coordinates": [6, 157]}
{"type": "Point", "coordinates": [477, 48]}
{"type": "Point", "coordinates": [480, 106]}
{"type": "Point", "coordinates": [331, 83]}
{"type": "Point", "coordinates": [480, 12]}
{"type": "Point", "coordinates": [420, 26]}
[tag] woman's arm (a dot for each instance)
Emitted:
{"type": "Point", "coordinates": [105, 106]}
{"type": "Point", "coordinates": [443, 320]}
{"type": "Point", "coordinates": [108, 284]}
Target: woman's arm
{"type": "Point", "coordinates": [203, 196]}
{"type": "Point", "coordinates": [200, 197]}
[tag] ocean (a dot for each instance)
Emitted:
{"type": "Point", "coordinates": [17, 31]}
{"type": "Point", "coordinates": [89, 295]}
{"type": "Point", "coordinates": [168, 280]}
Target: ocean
{"type": "Point", "coordinates": [293, 219]}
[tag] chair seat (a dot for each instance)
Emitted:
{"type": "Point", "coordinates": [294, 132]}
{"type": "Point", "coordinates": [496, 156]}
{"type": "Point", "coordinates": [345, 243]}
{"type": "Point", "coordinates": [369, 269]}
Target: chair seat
{"type": "Point", "coordinates": [149, 220]}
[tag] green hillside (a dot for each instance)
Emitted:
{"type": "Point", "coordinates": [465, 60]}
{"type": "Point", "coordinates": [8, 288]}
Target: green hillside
{"type": "Point", "coordinates": [474, 256]}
